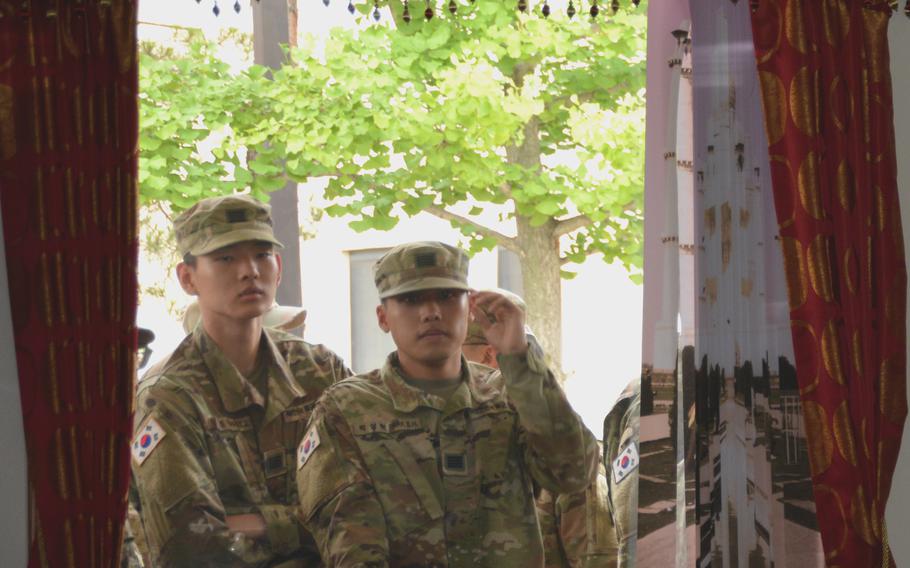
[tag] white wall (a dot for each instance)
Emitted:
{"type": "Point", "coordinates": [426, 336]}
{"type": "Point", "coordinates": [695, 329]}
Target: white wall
{"type": "Point", "coordinates": [13, 481]}
{"type": "Point", "coordinates": [898, 512]}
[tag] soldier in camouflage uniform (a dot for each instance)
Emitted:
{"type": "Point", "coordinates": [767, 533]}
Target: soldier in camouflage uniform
{"type": "Point", "coordinates": [621, 461]}
{"type": "Point", "coordinates": [218, 421]}
{"type": "Point", "coordinates": [429, 461]}
{"type": "Point", "coordinates": [134, 552]}
{"type": "Point", "coordinates": [577, 528]}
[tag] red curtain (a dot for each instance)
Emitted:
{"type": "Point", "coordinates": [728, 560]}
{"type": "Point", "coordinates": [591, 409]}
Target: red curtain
{"type": "Point", "coordinates": [68, 157]}
{"type": "Point", "coordinates": [826, 86]}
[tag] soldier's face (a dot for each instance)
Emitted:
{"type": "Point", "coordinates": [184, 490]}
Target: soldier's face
{"type": "Point", "coordinates": [483, 354]}
{"type": "Point", "coordinates": [237, 282]}
{"type": "Point", "coordinates": [428, 326]}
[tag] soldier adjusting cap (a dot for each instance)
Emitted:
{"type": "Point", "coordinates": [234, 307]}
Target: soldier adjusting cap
{"type": "Point", "coordinates": [424, 265]}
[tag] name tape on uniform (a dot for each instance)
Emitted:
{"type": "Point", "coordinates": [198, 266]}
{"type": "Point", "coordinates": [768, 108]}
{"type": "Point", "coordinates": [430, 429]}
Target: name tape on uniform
{"type": "Point", "coordinates": [307, 446]}
{"type": "Point", "coordinates": [146, 440]}
{"type": "Point", "coordinates": [625, 463]}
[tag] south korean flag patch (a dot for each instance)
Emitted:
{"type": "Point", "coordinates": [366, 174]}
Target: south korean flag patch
{"type": "Point", "coordinates": [307, 446]}
{"type": "Point", "coordinates": [625, 463]}
{"type": "Point", "coordinates": [146, 440]}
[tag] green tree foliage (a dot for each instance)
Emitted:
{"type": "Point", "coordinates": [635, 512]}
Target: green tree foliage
{"type": "Point", "coordinates": [540, 119]}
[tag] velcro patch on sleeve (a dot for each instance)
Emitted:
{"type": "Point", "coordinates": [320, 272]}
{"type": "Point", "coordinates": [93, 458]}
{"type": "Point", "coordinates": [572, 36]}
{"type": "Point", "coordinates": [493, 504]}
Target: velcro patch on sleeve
{"type": "Point", "coordinates": [146, 440]}
{"type": "Point", "coordinates": [625, 463]}
{"type": "Point", "coordinates": [307, 446]}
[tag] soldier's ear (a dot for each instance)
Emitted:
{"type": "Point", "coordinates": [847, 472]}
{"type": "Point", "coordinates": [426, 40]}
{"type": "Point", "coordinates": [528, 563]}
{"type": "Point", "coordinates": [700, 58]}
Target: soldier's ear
{"type": "Point", "coordinates": [381, 318]}
{"type": "Point", "coordinates": [278, 261]}
{"type": "Point", "coordinates": [185, 276]}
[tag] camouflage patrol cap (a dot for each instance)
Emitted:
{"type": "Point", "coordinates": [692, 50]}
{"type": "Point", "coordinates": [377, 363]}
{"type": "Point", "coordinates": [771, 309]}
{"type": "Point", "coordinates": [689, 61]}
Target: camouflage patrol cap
{"type": "Point", "coordinates": [221, 221]}
{"type": "Point", "coordinates": [423, 265]}
{"type": "Point", "coordinates": [475, 334]}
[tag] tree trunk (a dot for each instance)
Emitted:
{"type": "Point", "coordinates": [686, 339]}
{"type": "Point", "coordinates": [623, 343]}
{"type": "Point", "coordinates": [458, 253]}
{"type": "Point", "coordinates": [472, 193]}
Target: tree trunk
{"type": "Point", "coordinates": [539, 258]}
{"type": "Point", "coordinates": [292, 23]}
{"type": "Point", "coordinates": [540, 264]}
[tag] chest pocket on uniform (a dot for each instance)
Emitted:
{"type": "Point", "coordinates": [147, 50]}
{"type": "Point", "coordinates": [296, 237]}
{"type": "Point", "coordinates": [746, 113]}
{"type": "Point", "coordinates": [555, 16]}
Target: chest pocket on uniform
{"type": "Point", "coordinates": [234, 459]}
{"type": "Point", "coordinates": [494, 436]}
{"type": "Point", "coordinates": [404, 489]}
{"type": "Point", "coordinates": [278, 443]}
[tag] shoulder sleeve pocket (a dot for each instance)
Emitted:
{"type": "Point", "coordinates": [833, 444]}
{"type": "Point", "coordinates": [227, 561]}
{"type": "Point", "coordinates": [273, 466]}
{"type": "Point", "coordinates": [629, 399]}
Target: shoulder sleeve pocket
{"type": "Point", "coordinates": [323, 475]}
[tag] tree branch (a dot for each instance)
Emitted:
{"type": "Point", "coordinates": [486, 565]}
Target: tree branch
{"type": "Point", "coordinates": [582, 98]}
{"type": "Point", "coordinates": [506, 242]}
{"type": "Point", "coordinates": [566, 226]}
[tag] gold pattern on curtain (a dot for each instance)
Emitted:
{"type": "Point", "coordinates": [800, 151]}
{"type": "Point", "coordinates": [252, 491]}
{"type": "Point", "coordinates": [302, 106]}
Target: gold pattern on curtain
{"type": "Point", "coordinates": [68, 156]}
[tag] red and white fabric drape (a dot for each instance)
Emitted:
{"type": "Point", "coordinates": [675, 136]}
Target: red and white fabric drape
{"type": "Point", "coordinates": [68, 157]}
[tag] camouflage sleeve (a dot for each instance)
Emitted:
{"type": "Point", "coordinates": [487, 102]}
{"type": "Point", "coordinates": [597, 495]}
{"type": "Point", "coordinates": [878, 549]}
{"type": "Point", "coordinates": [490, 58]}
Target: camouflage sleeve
{"type": "Point", "coordinates": [182, 514]}
{"type": "Point", "coordinates": [338, 503]}
{"type": "Point", "coordinates": [341, 369]}
{"type": "Point", "coordinates": [560, 452]}
{"type": "Point", "coordinates": [586, 527]}
{"type": "Point", "coordinates": [553, 553]}
{"type": "Point", "coordinates": [316, 364]}
{"type": "Point", "coordinates": [621, 429]}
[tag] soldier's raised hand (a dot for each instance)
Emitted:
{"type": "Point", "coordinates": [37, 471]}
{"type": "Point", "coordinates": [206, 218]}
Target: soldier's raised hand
{"type": "Point", "coordinates": [502, 321]}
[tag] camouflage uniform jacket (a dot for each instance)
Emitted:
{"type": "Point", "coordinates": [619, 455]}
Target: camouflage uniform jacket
{"type": "Point", "coordinates": [405, 478]}
{"type": "Point", "coordinates": [226, 451]}
{"type": "Point", "coordinates": [621, 431]}
{"type": "Point", "coordinates": [577, 528]}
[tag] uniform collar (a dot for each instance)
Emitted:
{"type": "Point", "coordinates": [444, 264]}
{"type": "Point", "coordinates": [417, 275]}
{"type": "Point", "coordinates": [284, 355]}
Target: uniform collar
{"type": "Point", "coordinates": [406, 398]}
{"type": "Point", "coordinates": [235, 390]}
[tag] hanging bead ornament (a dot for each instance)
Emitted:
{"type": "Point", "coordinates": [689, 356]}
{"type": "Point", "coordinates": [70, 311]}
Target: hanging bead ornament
{"type": "Point", "coordinates": [636, 2]}
{"type": "Point", "coordinates": [453, 7]}
{"type": "Point", "coordinates": [594, 9]}
{"type": "Point", "coordinates": [325, 3]}
{"type": "Point", "coordinates": [571, 10]}
{"type": "Point", "coordinates": [753, 4]}
{"type": "Point", "coordinates": [522, 5]}
{"type": "Point", "coordinates": [428, 13]}
{"type": "Point", "coordinates": [351, 8]}
{"type": "Point", "coordinates": [375, 10]}
{"type": "Point", "coordinates": [215, 9]}
{"type": "Point", "coordinates": [545, 10]}
{"type": "Point", "coordinates": [406, 14]}
{"type": "Point", "coordinates": [614, 6]}
{"type": "Point", "coordinates": [237, 6]}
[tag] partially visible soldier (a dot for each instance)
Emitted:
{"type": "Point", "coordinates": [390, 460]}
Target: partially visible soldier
{"type": "Point", "coordinates": [621, 460]}
{"type": "Point", "coordinates": [577, 528]}
{"type": "Point", "coordinates": [134, 553]}
{"type": "Point", "coordinates": [218, 421]}
{"type": "Point", "coordinates": [430, 460]}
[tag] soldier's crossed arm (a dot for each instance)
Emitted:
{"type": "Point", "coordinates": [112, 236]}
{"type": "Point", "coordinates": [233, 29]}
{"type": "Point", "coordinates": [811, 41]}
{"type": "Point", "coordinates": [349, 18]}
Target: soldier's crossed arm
{"type": "Point", "coordinates": [560, 452]}
{"type": "Point", "coordinates": [182, 513]}
{"type": "Point", "coordinates": [338, 503]}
